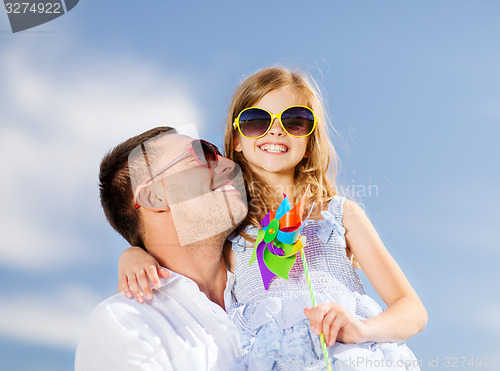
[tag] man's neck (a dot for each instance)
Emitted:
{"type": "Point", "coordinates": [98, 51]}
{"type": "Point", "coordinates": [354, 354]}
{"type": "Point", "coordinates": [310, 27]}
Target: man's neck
{"type": "Point", "coordinates": [203, 262]}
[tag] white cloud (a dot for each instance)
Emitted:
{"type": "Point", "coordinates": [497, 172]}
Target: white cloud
{"type": "Point", "coordinates": [55, 321]}
{"type": "Point", "coordinates": [61, 109]}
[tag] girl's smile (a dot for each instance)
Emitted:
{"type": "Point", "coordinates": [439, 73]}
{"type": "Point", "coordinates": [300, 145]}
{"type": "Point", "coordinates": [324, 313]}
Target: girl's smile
{"type": "Point", "coordinates": [274, 148]}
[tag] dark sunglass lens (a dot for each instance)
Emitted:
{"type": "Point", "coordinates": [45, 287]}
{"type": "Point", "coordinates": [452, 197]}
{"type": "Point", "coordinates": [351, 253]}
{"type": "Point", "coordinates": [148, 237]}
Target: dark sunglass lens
{"type": "Point", "coordinates": [209, 151]}
{"type": "Point", "coordinates": [204, 152]}
{"type": "Point", "coordinates": [298, 121]}
{"type": "Point", "coordinates": [254, 122]}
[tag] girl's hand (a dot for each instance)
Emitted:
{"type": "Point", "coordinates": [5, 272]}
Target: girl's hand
{"type": "Point", "coordinates": [336, 324]}
{"type": "Point", "coordinates": [136, 270]}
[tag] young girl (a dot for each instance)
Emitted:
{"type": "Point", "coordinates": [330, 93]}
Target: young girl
{"type": "Point", "coordinates": [276, 131]}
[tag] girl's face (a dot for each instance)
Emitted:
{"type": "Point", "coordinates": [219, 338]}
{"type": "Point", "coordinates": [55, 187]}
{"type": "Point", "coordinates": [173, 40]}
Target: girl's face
{"type": "Point", "coordinates": [276, 152]}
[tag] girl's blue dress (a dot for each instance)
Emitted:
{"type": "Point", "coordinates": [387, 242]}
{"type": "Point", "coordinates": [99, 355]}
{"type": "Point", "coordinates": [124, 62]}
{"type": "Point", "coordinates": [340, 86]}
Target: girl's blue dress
{"type": "Point", "coordinates": [275, 331]}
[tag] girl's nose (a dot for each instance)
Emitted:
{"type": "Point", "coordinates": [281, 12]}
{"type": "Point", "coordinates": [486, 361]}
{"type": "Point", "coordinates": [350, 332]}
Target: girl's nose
{"type": "Point", "coordinates": [276, 128]}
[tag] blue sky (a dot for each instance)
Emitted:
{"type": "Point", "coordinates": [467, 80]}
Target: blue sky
{"type": "Point", "coordinates": [411, 87]}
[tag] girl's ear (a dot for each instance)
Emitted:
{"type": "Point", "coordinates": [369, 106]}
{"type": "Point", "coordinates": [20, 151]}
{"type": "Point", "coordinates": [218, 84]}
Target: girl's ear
{"type": "Point", "coordinates": [308, 149]}
{"type": "Point", "coordinates": [237, 144]}
{"type": "Point", "coordinates": [153, 198]}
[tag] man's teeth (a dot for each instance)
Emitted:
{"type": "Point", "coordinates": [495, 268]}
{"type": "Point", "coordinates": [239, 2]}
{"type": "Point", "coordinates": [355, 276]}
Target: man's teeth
{"type": "Point", "coordinates": [225, 188]}
{"type": "Point", "coordinates": [274, 148]}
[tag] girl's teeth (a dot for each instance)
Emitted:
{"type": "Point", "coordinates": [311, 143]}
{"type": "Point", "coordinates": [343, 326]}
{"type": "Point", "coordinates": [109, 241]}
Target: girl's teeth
{"type": "Point", "coordinates": [274, 148]}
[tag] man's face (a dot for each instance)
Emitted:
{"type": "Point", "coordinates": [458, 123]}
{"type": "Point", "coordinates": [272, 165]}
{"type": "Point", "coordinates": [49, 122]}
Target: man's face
{"type": "Point", "coordinates": [204, 201]}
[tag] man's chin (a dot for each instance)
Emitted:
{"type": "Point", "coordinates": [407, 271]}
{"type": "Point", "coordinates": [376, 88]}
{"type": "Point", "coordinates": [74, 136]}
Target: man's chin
{"type": "Point", "coordinates": [197, 220]}
{"type": "Point", "coordinates": [216, 240]}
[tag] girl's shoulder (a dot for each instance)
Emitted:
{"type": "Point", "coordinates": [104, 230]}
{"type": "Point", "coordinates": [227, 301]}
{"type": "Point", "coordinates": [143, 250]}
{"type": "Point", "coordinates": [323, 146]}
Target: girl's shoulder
{"type": "Point", "coordinates": [343, 208]}
{"type": "Point", "coordinates": [351, 210]}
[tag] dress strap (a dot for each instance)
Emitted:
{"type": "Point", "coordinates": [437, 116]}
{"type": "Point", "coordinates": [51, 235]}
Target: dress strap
{"type": "Point", "coordinates": [336, 207]}
{"type": "Point", "coordinates": [333, 220]}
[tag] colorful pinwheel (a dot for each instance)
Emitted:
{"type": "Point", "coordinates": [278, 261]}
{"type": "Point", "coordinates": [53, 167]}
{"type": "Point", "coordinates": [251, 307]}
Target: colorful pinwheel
{"type": "Point", "coordinates": [279, 240]}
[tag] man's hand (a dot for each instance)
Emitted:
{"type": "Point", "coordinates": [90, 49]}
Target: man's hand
{"type": "Point", "coordinates": [336, 324]}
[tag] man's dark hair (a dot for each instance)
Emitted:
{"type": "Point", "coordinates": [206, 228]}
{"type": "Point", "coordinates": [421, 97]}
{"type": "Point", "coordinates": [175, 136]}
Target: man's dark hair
{"type": "Point", "coordinates": [117, 196]}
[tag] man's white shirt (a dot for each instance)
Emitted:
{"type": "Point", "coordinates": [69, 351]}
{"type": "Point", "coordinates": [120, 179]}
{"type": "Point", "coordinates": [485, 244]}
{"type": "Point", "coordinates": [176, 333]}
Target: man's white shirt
{"type": "Point", "coordinates": [180, 329]}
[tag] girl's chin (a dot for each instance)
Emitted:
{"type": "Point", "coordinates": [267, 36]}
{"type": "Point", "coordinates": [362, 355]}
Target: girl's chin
{"type": "Point", "coordinates": [263, 168]}
{"type": "Point", "coordinates": [277, 170]}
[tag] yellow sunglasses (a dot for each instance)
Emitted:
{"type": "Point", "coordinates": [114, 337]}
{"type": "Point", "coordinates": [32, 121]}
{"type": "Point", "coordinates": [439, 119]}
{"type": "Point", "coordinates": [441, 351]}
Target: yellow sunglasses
{"type": "Point", "coordinates": [297, 121]}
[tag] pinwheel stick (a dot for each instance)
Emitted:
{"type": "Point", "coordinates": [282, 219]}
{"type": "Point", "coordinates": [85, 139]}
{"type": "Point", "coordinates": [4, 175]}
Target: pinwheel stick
{"type": "Point", "coordinates": [313, 299]}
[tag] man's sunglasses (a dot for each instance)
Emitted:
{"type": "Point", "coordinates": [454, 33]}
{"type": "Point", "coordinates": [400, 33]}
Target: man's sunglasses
{"type": "Point", "coordinates": [255, 122]}
{"type": "Point", "coordinates": [204, 153]}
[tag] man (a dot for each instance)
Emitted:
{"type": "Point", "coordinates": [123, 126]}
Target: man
{"type": "Point", "coordinates": [178, 199]}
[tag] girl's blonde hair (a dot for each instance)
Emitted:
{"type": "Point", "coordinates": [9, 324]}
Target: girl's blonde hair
{"type": "Point", "coordinates": [320, 152]}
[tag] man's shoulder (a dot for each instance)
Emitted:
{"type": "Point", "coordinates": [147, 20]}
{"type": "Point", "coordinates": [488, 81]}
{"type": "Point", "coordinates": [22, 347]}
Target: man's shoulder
{"type": "Point", "coordinates": [116, 308]}
{"type": "Point", "coordinates": [119, 315]}
{"type": "Point", "coordinates": [118, 300]}
{"type": "Point", "coordinates": [172, 287]}
{"type": "Point", "coordinates": [119, 324]}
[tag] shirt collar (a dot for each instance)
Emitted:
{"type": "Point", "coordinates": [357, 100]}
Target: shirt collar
{"type": "Point", "coordinates": [228, 297]}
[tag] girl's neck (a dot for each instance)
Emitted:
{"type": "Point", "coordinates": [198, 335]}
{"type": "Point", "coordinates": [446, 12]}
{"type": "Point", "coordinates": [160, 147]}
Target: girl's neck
{"type": "Point", "coordinates": [281, 183]}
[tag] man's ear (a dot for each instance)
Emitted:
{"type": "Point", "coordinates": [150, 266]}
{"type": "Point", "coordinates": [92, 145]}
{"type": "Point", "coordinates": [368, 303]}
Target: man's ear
{"type": "Point", "coordinates": [237, 144]}
{"type": "Point", "coordinates": [153, 197]}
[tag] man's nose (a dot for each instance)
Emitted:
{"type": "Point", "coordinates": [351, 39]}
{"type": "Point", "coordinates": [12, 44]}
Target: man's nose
{"type": "Point", "coordinates": [276, 128]}
{"type": "Point", "coordinates": [224, 166]}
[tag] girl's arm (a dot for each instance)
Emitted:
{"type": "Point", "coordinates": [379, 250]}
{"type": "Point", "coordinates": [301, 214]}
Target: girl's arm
{"type": "Point", "coordinates": [405, 315]}
{"type": "Point", "coordinates": [137, 271]}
